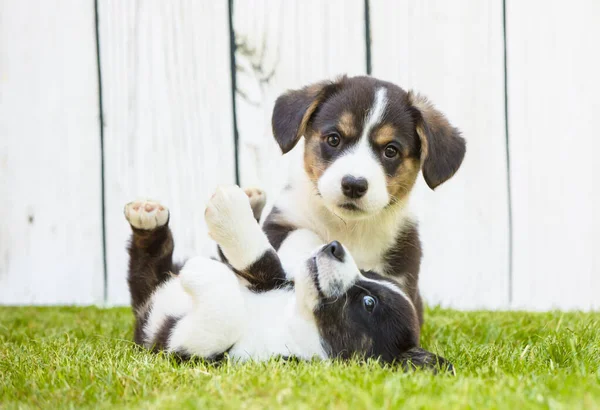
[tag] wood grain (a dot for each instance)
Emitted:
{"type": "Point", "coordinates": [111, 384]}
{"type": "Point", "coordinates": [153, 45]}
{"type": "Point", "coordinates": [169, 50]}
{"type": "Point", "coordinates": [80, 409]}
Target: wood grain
{"type": "Point", "coordinates": [51, 229]}
{"type": "Point", "coordinates": [168, 135]}
{"type": "Point", "coordinates": [553, 66]}
{"type": "Point", "coordinates": [452, 52]}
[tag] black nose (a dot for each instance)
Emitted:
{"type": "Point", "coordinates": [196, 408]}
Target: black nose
{"type": "Point", "coordinates": [336, 250]}
{"type": "Point", "coordinates": [354, 187]}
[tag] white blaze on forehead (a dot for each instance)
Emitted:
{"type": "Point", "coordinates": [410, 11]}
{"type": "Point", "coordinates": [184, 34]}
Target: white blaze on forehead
{"type": "Point", "coordinates": [390, 286]}
{"type": "Point", "coordinates": [375, 114]}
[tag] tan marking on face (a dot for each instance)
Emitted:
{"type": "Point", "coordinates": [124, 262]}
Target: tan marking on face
{"type": "Point", "coordinates": [384, 135]}
{"type": "Point", "coordinates": [400, 184]}
{"type": "Point", "coordinates": [346, 124]}
{"type": "Point", "coordinates": [424, 143]}
{"type": "Point", "coordinates": [313, 162]}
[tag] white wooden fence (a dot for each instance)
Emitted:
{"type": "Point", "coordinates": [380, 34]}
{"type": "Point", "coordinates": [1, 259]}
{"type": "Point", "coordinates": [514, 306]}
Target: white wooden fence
{"type": "Point", "coordinates": [102, 102]}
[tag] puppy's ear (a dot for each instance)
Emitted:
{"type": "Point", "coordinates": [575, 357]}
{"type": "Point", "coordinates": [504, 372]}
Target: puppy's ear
{"type": "Point", "coordinates": [294, 109]}
{"type": "Point", "coordinates": [417, 358]}
{"type": "Point", "coordinates": [442, 147]}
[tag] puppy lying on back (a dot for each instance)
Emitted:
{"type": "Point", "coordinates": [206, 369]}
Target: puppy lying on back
{"type": "Point", "coordinates": [249, 309]}
{"type": "Point", "coordinates": [365, 142]}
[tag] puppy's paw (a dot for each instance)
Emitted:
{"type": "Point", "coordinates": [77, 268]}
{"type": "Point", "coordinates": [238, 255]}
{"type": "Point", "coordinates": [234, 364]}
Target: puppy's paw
{"type": "Point", "coordinates": [258, 199]}
{"type": "Point", "coordinates": [146, 214]}
{"type": "Point", "coordinates": [228, 215]}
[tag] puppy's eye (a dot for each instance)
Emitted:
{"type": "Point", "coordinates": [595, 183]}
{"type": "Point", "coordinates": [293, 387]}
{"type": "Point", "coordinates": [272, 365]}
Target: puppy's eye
{"type": "Point", "coordinates": [369, 302]}
{"type": "Point", "coordinates": [333, 140]}
{"type": "Point", "coordinates": [390, 151]}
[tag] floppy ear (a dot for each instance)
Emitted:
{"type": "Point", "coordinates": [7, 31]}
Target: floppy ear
{"type": "Point", "coordinates": [417, 358]}
{"type": "Point", "coordinates": [442, 147]}
{"type": "Point", "coordinates": [294, 109]}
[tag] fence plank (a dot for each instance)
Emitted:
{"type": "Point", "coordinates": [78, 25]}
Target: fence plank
{"type": "Point", "coordinates": [51, 226]}
{"type": "Point", "coordinates": [285, 45]}
{"type": "Point", "coordinates": [553, 95]}
{"type": "Point", "coordinates": [453, 53]}
{"type": "Point", "coordinates": [167, 101]}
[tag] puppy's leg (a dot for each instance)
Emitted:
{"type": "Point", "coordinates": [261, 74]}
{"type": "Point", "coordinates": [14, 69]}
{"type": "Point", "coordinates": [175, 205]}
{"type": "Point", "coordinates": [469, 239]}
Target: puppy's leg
{"type": "Point", "coordinates": [418, 358]}
{"type": "Point", "coordinates": [150, 252]}
{"type": "Point", "coordinates": [232, 224]}
{"type": "Point", "coordinates": [258, 200]}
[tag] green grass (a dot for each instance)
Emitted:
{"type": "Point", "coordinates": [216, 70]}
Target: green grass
{"type": "Point", "coordinates": [83, 357]}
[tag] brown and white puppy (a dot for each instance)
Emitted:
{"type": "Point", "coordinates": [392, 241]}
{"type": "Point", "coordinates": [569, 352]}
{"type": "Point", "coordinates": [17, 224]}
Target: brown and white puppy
{"type": "Point", "coordinates": [365, 142]}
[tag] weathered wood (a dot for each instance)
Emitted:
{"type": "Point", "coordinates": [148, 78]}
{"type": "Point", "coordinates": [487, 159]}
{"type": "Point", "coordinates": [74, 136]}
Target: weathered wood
{"type": "Point", "coordinates": [452, 52]}
{"type": "Point", "coordinates": [51, 225]}
{"type": "Point", "coordinates": [281, 46]}
{"type": "Point", "coordinates": [553, 86]}
{"type": "Point", "coordinates": [167, 101]}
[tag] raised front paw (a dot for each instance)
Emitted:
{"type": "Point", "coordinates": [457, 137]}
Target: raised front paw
{"type": "Point", "coordinates": [232, 225]}
{"type": "Point", "coordinates": [146, 214]}
{"type": "Point", "coordinates": [228, 214]}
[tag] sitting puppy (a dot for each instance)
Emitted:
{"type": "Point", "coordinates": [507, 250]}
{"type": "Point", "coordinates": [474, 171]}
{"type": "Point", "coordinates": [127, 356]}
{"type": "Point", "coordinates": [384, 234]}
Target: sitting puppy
{"type": "Point", "coordinates": [249, 309]}
{"type": "Point", "coordinates": [365, 142]}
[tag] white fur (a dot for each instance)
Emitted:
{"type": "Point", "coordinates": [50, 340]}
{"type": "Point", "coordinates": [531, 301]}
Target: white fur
{"type": "Point", "coordinates": [367, 239]}
{"type": "Point", "coordinates": [359, 162]}
{"type": "Point", "coordinates": [232, 225]}
{"type": "Point", "coordinates": [296, 249]}
{"type": "Point", "coordinates": [216, 318]}
{"type": "Point", "coordinates": [215, 308]}
{"type": "Point", "coordinates": [218, 312]}
{"type": "Point", "coordinates": [276, 325]}
{"type": "Point", "coordinates": [335, 277]}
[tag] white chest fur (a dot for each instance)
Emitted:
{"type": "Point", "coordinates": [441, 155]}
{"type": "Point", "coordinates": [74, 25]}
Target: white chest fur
{"type": "Point", "coordinates": [368, 239]}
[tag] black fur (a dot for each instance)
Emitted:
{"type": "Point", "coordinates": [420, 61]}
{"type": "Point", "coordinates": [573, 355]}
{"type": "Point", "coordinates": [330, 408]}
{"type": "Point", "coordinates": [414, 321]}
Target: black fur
{"type": "Point", "coordinates": [275, 231]}
{"type": "Point", "coordinates": [443, 148]}
{"type": "Point", "coordinates": [150, 261]}
{"type": "Point", "coordinates": [161, 340]}
{"type": "Point", "coordinates": [403, 261]}
{"type": "Point", "coordinates": [265, 274]}
{"type": "Point", "coordinates": [347, 328]}
{"type": "Point", "coordinates": [417, 358]}
{"type": "Point", "coordinates": [389, 332]}
{"type": "Point", "coordinates": [293, 110]}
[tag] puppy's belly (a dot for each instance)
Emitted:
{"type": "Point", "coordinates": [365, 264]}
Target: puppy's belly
{"type": "Point", "coordinates": [274, 327]}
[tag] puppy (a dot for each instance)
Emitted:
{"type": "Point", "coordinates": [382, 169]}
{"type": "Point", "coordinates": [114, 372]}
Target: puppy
{"type": "Point", "coordinates": [365, 142]}
{"type": "Point", "coordinates": [248, 309]}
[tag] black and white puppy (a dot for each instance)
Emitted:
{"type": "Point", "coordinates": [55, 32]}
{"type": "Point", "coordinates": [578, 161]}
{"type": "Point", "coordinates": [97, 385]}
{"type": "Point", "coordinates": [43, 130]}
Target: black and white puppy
{"type": "Point", "coordinates": [365, 142]}
{"type": "Point", "coordinates": [249, 309]}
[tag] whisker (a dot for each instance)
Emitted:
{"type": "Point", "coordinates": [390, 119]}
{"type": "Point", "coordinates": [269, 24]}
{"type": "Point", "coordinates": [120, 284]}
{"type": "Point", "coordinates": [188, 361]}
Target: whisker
{"type": "Point", "coordinates": [366, 290]}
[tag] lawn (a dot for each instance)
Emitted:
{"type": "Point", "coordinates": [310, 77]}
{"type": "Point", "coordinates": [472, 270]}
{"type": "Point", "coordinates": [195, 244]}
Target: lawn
{"type": "Point", "coordinates": [83, 357]}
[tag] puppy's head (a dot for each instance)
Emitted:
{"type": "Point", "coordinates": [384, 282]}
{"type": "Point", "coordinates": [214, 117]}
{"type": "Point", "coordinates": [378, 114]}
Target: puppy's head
{"type": "Point", "coordinates": [366, 141]}
{"type": "Point", "coordinates": [360, 314]}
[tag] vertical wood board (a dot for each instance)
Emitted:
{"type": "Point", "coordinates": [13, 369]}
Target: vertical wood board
{"type": "Point", "coordinates": [51, 225]}
{"type": "Point", "coordinates": [553, 87]}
